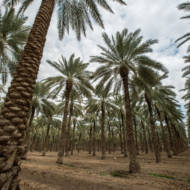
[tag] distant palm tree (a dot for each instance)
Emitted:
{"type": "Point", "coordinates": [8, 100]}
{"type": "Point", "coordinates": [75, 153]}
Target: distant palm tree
{"type": "Point", "coordinates": [100, 105]}
{"type": "Point", "coordinates": [71, 14]}
{"type": "Point", "coordinates": [73, 77]}
{"type": "Point", "coordinates": [38, 105]}
{"type": "Point", "coordinates": [120, 57]}
{"type": "Point", "coordinates": [13, 36]}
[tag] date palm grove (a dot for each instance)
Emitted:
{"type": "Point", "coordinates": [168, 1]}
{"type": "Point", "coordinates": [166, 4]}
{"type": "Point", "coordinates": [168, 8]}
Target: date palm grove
{"type": "Point", "coordinates": [124, 105]}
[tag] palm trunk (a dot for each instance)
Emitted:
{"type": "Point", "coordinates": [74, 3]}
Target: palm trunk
{"type": "Point", "coordinates": [28, 129]}
{"type": "Point", "coordinates": [154, 136]}
{"type": "Point", "coordinates": [15, 113]}
{"type": "Point", "coordinates": [94, 139]}
{"type": "Point", "coordinates": [136, 136]}
{"type": "Point", "coordinates": [124, 135]}
{"type": "Point", "coordinates": [121, 138]}
{"type": "Point", "coordinates": [149, 139]}
{"type": "Point", "coordinates": [73, 137]}
{"type": "Point", "coordinates": [68, 130]}
{"type": "Point", "coordinates": [90, 141]}
{"type": "Point", "coordinates": [164, 136]}
{"type": "Point", "coordinates": [172, 147]}
{"type": "Point", "coordinates": [109, 138]}
{"type": "Point", "coordinates": [79, 144]}
{"type": "Point", "coordinates": [62, 142]}
{"type": "Point", "coordinates": [144, 138]}
{"type": "Point", "coordinates": [103, 131]}
{"type": "Point", "coordinates": [46, 141]}
{"type": "Point", "coordinates": [133, 165]}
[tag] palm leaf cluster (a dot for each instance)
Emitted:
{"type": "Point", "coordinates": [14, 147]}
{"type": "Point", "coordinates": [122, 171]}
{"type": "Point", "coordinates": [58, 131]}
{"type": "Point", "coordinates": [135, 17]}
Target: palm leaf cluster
{"type": "Point", "coordinates": [13, 36]}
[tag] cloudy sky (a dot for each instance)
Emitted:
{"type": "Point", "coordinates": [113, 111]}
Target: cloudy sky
{"type": "Point", "coordinates": [157, 19]}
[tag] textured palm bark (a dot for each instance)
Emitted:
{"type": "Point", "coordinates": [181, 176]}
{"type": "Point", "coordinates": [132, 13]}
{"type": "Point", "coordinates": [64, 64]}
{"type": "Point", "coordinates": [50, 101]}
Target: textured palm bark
{"type": "Point", "coordinates": [154, 135]}
{"type": "Point", "coordinates": [62, 142]}
{"type": "Point", "coordinates": [15, 112]}
{"type": "Point", "coordinates": [68, 130]}
{"type": "Point", "coordinates": [121, 139]}
{"type": "Point", "coordinates": [133, 164]}
{"type": "Point", "coordinates": [149, 139]}
{"type": "Point", "coordinates": [90, 141]}
{"type": "Point", "coordinates": [109, 138]}
{"type": "Point", "coordinates": [164, 136]}
{"type": "Point", "coordinates": [27, 140]}
{"type": "Point", "coordinates": [73, 137]}
{"type": "Point", "coordinates": [136, 136]}
{"type": "Point", "coordinates": [179, 142]}
{"type": "Point", "coordinates": [144, 138]}
{"type": "Point", "coordinates": [45, 146]}
{"type": "Point", "coordinates": [103, 131]}
{"type": "Point", "coordinates": [94, 139]}
{"type": "Point", "coordinates": [141, 142]}
{"type": "Point", "coordinates": [124, 135]}
{"type": "Point", "coordinates": [172, 147]}
{"type": "Point", "coordinates": [79, 143]}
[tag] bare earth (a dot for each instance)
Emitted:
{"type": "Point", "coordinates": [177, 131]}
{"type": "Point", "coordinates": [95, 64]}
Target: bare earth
{"type": "Point", "coordinates": [84, 172]}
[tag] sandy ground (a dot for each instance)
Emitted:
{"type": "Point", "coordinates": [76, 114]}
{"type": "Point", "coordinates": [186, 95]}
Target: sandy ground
{"type": "Point", "coordinates": [84, 172]}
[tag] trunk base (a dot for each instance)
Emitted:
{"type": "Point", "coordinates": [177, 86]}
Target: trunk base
{"type": "Point", "coordinates": [43, 153]}
{"type": "Point", "coordinates": [60, 158]}
{"type": "Point", "coordinates": [134, 167]}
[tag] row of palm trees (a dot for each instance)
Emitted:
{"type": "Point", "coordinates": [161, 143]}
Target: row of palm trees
{"type": "Point", "coordinates": [71, 14]}
{"type": "Point", "coordinates": [181, 41]}
{"type": "Point", "coordinates": [126, 73]}
{"type": "Point", "coordinates": [142, 88]}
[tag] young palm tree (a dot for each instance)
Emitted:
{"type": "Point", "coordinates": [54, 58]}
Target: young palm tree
{"type": "Point", "coordinates": [17, 104]}
{"type": "Point", "coordinates": [120, 57]}
{"type": "Point", "coordinates": [73, 77]}
{"type": "Point", "coordinates": [13, 36]}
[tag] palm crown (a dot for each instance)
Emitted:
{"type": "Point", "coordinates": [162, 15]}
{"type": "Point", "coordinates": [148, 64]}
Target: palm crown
{"type": "Point", "coordinates": [74, 14]}
{"type": "Point", "coordinates": [13, 35]}
{"type": "Point", "coordinates": [72, 72]}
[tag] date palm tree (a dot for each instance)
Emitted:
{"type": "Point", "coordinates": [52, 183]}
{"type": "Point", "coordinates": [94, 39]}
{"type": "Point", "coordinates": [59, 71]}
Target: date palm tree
{"type": "Point", "coordinates": [39, 103]}
{"type": "Point", "coordinates": [146, 80]}
{"type": "Point", "coordinates": [100, 105]}
{"type": "Point", "coordinates": [73, 77]}
{"type": "Point", "coordinates": [13, 36]}
{"type": "Point", "coordinates": [122, 53]}
{"type": "Point", "coordinates": [14, 115]}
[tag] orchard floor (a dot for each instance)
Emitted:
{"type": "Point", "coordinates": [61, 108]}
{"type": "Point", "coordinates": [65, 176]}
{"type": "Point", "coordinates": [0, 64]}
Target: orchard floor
{"type": "Point", "coordinates": [84, 172]}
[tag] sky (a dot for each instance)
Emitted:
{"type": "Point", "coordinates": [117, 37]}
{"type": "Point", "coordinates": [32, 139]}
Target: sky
{"type": "Point", "coordinates": [157, 20]}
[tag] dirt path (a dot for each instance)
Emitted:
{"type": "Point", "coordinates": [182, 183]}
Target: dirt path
{"type": "Point", "coordinates": [84, 172]}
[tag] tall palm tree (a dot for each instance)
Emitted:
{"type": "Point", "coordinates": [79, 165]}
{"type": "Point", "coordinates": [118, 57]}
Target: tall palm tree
{"type": "Point", "coordinates": [145, 84]}
{"type": "Point", "coordinates": [13, 36]}
{"type": "Point", "coordinates": [74, 14]}
{"type": "Point", "coordinates": [73, 77]}
{"type": "Point", "coordinates": [122, 53]}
